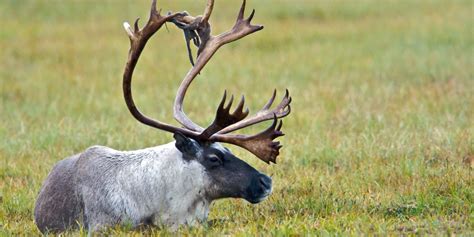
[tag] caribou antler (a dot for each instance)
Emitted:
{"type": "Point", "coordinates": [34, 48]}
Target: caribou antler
{"type": "Point", "coordinates": [138, 39]}
{"type": "Point", "coordinates": [261, 145]}
{"type": "Point", "coordinates": [282, 110]}
{"type": "Point", "coordinates": [208, 46]}
{"type": "Point", "coordinates": [198, 29]}
{"type": "Point", "coordinates": [224, 118]}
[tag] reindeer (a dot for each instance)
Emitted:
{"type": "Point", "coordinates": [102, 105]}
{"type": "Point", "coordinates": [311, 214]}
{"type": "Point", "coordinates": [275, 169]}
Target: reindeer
{"type": "Point", "coordinates": [172, 184]}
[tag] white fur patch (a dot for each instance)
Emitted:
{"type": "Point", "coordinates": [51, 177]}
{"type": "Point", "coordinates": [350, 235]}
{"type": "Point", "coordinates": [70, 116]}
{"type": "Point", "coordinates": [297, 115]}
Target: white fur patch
{"type": "Point", "coordinates": [158, 184]}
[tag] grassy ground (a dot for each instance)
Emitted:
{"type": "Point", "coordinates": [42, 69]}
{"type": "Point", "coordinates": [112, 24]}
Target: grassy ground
{"type": "Point", "coordinates": [382, 115]}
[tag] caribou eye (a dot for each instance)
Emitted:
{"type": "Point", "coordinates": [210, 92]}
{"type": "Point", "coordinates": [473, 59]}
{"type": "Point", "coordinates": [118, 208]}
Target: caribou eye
{"type": "Point", "coordinates": [214, 159]}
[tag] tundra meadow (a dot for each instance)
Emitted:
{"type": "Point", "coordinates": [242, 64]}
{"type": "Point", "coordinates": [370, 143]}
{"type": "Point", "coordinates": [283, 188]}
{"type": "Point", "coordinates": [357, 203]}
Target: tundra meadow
{"type": "Point", "coordinates": [380, 139]}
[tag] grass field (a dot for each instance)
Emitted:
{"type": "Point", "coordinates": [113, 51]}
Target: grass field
{"type": "Point", "coordinates": [383, 107]}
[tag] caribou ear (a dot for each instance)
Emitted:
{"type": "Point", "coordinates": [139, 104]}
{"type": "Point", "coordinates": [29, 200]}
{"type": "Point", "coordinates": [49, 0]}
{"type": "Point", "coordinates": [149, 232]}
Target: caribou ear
{"type": "Point", "coordinates": [186, 145]}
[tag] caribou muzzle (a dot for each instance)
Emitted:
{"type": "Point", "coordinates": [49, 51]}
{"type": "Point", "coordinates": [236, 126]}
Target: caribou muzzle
{"type": "Point", "coordinates": [259, 189]}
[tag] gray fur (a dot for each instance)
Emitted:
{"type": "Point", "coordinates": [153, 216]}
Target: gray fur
{"type": "Point", "coordinates": [58, 205]}
{"type": "Point", "coordinates": [103, 187]}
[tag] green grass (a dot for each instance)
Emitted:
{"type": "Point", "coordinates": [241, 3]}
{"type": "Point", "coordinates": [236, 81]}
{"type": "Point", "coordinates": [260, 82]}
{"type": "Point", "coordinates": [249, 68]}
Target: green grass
{"type": "Point", "coordinates": [382, 115]}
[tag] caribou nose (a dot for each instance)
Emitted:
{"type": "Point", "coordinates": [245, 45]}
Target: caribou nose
{"type": "Point", "coordinates": [265, 182]}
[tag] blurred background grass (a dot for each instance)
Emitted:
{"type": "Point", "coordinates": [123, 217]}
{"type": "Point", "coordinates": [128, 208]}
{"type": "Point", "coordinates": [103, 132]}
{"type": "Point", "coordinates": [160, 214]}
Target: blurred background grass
{"type": "Point", "coordinates": [382, 107]}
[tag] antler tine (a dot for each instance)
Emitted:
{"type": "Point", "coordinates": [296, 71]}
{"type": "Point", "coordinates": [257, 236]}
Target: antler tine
{"type": "Point", "coordinates": [270, 102]}
{"type": "Point", "coordinates": [208, 47]}
{"type": "Point", "coordinates": [241, 106]}
{"type": "Point", "coordinates": [208, 11]}
{"type": "Point", "coordinates": [242, 11]}
{"type": "Point", "coordinates": [224, 118]}
{"type": "Point", "coordinates": [280, 111]}
{"type": "Point", "coordinates": [261, 145]}
{"type": "Point", "coordinates": [138, 39]}
{"type": "Point", "coordinates": [227, 108]}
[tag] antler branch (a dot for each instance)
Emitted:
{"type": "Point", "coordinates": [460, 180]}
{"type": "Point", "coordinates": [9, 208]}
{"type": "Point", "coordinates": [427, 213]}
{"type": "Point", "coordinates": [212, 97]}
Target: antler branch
{"type": "Point", "coordinates": [198, 29]}
{"type": "Point", "coordinates": [138, 39]}
{"type": "Point", "coordinates": [224, 118]}
{"type": "Point", "coordinates": [208, 47]}
{"type": "Point", "coordinates": [261, 145]}
{"type": "Point", "coordinates": [280, 111]}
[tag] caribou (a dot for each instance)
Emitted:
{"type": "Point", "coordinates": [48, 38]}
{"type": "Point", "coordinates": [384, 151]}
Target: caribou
{"type": "Point", "coordinates": [172, 184]}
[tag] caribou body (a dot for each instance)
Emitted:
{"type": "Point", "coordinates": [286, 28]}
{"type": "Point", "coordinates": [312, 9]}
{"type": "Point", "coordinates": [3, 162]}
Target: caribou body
{"type": "Point", "coordinates": [171, 184]}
